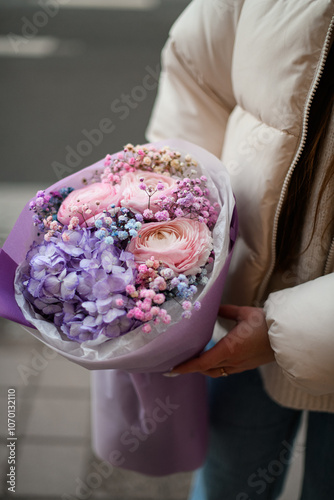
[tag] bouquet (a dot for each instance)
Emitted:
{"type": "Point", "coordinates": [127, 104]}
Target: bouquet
{"type": "Point", "coordinates": [120, 269]}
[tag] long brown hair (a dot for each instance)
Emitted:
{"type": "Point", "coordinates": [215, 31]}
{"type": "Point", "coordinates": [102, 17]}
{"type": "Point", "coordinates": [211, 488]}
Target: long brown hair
{"type": "Point", "coordinates": [299, 191]}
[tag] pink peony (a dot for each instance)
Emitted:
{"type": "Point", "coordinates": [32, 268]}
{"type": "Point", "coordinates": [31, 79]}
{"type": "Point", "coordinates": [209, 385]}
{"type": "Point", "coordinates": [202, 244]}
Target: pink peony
{"type": "Point", "coordinates": [135, 198]}
{"type": "Point", "coordinates": [183, 245]}
{"type": "Point", "coordinates": [84, 200]}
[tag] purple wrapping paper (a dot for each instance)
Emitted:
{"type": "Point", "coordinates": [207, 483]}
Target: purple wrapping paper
{"type": "Point", "coordinates": [141, 420]}
{"type": "Point", "coordinates": [150, 423]}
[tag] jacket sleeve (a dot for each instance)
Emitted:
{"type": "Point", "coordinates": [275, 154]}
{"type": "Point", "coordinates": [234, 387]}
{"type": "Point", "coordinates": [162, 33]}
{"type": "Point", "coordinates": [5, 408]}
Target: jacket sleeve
{"type": "Point", "coordinates": [301, 332]}
{"type": "Point", "coordinates": [195, 96]}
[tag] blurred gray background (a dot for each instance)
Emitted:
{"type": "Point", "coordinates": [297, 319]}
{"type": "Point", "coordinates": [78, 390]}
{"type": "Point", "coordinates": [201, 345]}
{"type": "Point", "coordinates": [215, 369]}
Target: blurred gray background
{"type": "Point", "coordinates": [75, 65]}
{"type": "Point", "coordinates": [78, 80]}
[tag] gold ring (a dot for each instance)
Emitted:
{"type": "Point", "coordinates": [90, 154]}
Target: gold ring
{"type": "Point", "coordinates": [223, 372]}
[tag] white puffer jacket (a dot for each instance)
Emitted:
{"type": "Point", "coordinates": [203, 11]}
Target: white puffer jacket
{"type": "Point", "coordinates": [238, 78]}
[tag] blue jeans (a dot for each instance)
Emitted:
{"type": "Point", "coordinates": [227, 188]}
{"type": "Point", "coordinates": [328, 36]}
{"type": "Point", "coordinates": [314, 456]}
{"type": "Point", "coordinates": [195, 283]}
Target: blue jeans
{"type": "Point", "coordinates": [251, 445]}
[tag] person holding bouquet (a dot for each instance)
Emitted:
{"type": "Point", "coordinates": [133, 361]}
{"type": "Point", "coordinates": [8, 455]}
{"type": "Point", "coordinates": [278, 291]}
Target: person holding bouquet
{"type": "Point", "coordinates": [252, 82]}
{"type": "Point", "coordinates": [119, 267]}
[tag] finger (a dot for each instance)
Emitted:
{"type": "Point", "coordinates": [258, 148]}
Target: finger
{"type": "Point", "coordinates": [191, 366]}
{"type": "Point", "coordinates": [216, 356]}
{"type": "Point", "coordinates": [230, 311]}
{"type": "Point", "coordinates": [213, 373]}
{"type": "Point", "coordinates": [217, 372]}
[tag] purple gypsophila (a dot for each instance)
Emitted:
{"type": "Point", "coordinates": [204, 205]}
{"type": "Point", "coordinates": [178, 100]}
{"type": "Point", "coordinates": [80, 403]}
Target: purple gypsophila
{"type": "Point", "coordinates": [78, 282]}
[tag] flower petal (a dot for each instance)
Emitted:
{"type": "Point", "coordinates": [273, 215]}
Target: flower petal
{"type": "Point", "coordinates": [90, 307]}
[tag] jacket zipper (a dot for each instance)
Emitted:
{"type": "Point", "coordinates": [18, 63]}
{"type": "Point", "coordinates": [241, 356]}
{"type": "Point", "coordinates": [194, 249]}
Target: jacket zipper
{"type": "Point", "coordinates": [296, 159]}
{"type": "Point", "coordinates": [329, 258]}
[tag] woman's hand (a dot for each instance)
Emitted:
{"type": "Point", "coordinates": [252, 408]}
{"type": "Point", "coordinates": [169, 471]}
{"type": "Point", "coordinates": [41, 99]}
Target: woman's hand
{"type": "Point", "coordinates": [245, 347]}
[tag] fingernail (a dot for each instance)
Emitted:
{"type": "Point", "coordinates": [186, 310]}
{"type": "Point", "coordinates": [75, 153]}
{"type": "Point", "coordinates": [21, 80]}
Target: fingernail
{"type": "Point", "coordinates": [171, 374]}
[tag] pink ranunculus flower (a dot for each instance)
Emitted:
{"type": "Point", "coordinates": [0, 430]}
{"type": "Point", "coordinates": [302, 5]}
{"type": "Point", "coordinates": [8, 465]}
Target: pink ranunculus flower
{"type": "Point", "coordinates": [136, 199]}
{"type": "Point", "coordinates": [81, 203]}
{"type": "Point", "coordinates": [183, 245]}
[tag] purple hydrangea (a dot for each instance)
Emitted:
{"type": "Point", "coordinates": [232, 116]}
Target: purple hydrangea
{"type": "Point", "coordinates": [78, 281]}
